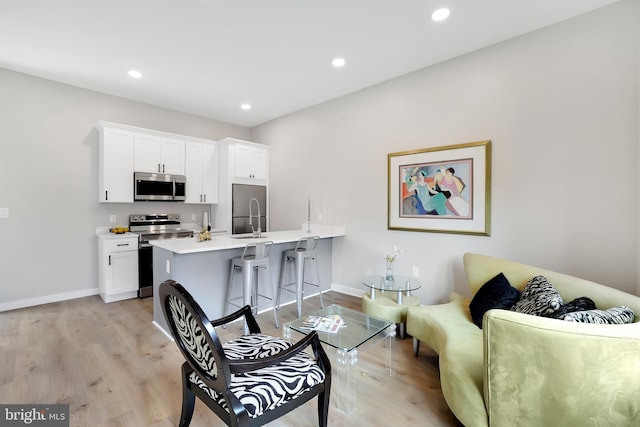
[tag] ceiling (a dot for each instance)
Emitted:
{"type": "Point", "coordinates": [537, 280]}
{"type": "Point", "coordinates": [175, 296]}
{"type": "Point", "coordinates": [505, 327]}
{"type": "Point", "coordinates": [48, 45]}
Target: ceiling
{"type": "Point", "coordinates": [207, 57]}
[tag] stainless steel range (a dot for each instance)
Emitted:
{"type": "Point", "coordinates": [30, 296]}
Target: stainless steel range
{"type": "Point", "coordinates": [153, 227]}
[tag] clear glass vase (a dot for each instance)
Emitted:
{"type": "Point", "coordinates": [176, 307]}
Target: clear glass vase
{"type": "Point", "coordinates": [388, 277]}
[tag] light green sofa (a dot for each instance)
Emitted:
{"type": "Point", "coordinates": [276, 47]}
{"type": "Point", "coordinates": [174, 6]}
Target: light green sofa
{"type": "Point", "coordinates": [524, 370]}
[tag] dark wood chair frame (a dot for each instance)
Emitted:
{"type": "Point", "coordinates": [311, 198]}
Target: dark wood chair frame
{"type": "Point", "coordinates": [237, 414]}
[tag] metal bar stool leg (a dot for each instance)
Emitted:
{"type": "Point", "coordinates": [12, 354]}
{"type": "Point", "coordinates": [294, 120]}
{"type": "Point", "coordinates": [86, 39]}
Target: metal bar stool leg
{"type": "Point", "coordinates": [229, 286]}
{"type": "Point", "coordinates": [247, 282]}
{"type": "Point", "coordinates": [299, 263]}
{"type": "Point", "coordinates": [281, 282]}
{"type": "Point", "coordinates": [317, 268]}
{"type": "Point", "coordinates": [273, 295]}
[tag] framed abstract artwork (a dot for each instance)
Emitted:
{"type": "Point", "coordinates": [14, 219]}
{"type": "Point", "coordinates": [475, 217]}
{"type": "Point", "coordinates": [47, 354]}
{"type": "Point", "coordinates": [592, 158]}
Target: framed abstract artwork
{"type": "Point", "coordinates": [442, 189]}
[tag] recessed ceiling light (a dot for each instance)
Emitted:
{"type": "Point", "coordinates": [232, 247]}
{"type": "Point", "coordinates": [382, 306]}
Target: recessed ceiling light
{"type": "Point", "coordinates": [245, 107]}
{"type": "Point", "coordinates": [440, 14]}
{"type": "Point", "coordinates": [338, 62]}
{"type": "Point", "coordinates": [135, 74]}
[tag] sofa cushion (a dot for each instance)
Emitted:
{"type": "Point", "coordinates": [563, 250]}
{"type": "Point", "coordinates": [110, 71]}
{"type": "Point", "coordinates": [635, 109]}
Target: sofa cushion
{"type": "Point", "coordinates": [612, 316]}
{"type": "Point", "coordinates": [578, 304]}
{"type": "Point", "coordinates": [538, 298]}
{"type": "Point", "coordinates": [450, 332]}
{"type": "Point", "coordinates": [436, 325]}
{"type": "Point", "coordinates": [496, 293]}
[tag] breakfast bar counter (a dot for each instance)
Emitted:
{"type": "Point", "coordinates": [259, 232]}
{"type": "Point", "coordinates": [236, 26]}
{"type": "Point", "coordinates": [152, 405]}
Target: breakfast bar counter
{"type": "Point", "coordinates": [203, 267]}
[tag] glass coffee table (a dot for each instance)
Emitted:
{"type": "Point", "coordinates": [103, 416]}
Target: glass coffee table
{"type": "Point", "coordinates": [359, 333]}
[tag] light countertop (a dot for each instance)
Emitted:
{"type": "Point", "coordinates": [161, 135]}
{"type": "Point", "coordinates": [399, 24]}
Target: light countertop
{"type": "Point", "coordinates": [218, 242]}
{"type": "Point", "coordinates": [109, 235]}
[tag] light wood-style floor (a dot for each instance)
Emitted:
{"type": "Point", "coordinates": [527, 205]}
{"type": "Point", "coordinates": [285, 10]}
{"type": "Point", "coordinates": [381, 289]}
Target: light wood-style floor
{"type": "Point", "coordinates": [114, 368]}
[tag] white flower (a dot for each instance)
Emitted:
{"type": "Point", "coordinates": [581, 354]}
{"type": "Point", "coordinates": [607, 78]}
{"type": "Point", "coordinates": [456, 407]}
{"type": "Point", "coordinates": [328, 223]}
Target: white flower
{"type": "Point", "coordinates": [396, 252]}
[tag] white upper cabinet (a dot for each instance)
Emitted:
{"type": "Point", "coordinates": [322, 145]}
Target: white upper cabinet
{"type": "Point", "coordinates": [125, 149]}
{"type": "Point", "coordinates": [115, 168]}
{"type": "Point", "coordinates": [159, 154]}
{"type": "Point", "coordinates": [251, 162]}
{"type": "Point", "coordinates": [202, 172]}
{"type": "Point", "coordinates": [210, 174]}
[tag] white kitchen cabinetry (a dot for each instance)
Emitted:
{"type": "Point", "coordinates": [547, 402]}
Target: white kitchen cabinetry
{"type": "Point", "coordinates": [241, 162]}
{"type": "Point", "coordinates": [159, 154]}
{"type": "Point", "coordinates": [251, 162]}
{"type": "Point", "coordinates": [125, 149]}
{"type": "Point", "coordinates": [201, 159]}
{"type": "Point", "coordinates": [117, 266]}
{"type": "Point", "coordinates": [115, 168]}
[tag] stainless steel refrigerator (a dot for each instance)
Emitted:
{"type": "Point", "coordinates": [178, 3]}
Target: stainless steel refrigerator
{"type": "Point", "coordinates": [241, 195]}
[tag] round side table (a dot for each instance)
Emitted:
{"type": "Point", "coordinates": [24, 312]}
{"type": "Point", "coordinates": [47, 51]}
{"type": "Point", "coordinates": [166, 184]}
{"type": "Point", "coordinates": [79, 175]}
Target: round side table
{"type": "Point", "coordinates": [390, 300]}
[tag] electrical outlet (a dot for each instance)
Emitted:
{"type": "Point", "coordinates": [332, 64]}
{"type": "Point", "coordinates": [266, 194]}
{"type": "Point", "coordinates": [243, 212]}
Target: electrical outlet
{"type": "Point", "coordinates": [112, 219]}
{"type": "Point", "coordinates": [416, 271]}
{"type": "Point", "coordinates": [193, 217]}
{"type": "Point", "coordinates": [320, 217]}
{"type": "Point", "coordinates": [4, 212]}
{"type": "Point", "coordinates": [167, 266]}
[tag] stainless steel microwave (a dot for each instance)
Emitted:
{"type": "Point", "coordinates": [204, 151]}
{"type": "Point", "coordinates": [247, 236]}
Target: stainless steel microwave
{"type": "Point", "coordinates": [159, 186]}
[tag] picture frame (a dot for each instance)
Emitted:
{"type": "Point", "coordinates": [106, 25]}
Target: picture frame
{"type": "Point", "coordinates": [441, 189]}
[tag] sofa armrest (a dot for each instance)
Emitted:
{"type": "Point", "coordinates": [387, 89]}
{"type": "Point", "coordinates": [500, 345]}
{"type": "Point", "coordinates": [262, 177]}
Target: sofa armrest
{"type": "Point", "coordinates": [541, 372]}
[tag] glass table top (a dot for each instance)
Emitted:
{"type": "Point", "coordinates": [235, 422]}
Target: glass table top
{"type": "Point", "coordinates": [358, 327]}
{"type": "Point", "coordinates": [399, 283]}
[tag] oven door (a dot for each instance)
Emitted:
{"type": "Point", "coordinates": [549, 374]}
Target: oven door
{"type": "Point", "coordinates": [145, 270]}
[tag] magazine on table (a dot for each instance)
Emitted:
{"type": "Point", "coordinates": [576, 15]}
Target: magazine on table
{"type": "Point", "coordinates": [331, 323]}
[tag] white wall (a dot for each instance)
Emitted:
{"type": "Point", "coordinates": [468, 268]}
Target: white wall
{"type": "Point", "coordinates": [48, 180]}
{"type": "Point", "coordinates": [559, 104]}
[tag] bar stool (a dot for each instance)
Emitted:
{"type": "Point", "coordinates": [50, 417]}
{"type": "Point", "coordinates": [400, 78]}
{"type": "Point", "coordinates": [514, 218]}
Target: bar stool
{"type": "Point", "coordinates": [254, 258]}
{"type": "Point", "coordinates": [305, 250]}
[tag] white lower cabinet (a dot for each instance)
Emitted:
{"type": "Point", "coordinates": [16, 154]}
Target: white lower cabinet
{"type": "Point", "coordinates": [117, 267]}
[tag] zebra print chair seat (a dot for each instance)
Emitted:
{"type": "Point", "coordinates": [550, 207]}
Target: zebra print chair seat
{"type": "Point", "coordinates": [250, 380]}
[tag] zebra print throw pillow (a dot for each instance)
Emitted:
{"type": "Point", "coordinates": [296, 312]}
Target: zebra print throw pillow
{"type": "Point", "coordinates": [612, 316]}
{"type": "Point", "coordinates": [538, 298]}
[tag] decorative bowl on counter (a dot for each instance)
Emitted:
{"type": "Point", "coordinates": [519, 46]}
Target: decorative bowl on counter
{"type": "Point", "coordinates": [119, 230]}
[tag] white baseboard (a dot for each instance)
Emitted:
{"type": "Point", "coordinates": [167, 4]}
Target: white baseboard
{"type": "Point", "coordinates": [46, 299]}
{"type": "Point", "coordinates": [161, 329]}
{"type": "Point", "coordinates": [348, 290]}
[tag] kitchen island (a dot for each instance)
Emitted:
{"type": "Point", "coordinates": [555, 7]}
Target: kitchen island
{"type": "Point", "coordinates": [203, 267]}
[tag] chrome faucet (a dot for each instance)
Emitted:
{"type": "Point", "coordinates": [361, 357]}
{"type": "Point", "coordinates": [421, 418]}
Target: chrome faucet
{"type": "Point", "coordinates": [256, 233]}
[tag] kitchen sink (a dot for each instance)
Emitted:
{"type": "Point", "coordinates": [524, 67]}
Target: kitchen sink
{"type": "Point", "coordinates": [247, 236]}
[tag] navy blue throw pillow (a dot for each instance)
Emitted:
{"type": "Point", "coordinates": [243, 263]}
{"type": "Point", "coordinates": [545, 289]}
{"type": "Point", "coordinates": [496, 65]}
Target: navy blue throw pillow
{"type": "Point", "coordinates": [496, 293]}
